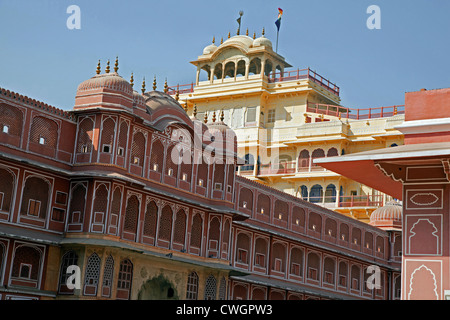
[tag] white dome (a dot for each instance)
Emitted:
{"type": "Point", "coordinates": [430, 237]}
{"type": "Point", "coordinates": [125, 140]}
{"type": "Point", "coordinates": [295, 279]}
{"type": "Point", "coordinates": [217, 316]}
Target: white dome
{"type": "Point", "coordinates": [210, 49]}
{"type": "Point", "coordinates": [262, 41]}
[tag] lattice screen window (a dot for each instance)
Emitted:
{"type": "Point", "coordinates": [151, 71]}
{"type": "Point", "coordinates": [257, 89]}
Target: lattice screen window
{"type": "Point", "coordinates": [165, 224]}
{"type": "Point", "coordinates": [210, 288]}
{"type": "Point", "coordinates": [108, 273]}
{"type": "Point", "coordinates": [100, 202]}
{"type": "Point", "coordinates": [77, 202]}
{"type": "Point", "coordinates": [6, 189]}
{"type": "Point", "coordinates": [131, 214]}
{"type": "Point", "coordinates": [115, 207]}
{"type": "Point", "coordinates": [138, 149]}
{"type": "Point", "coordinates": [12, 118]}
{"type": "Point", "coordinates": [26, 255]}
{"type": "Point", "coordinates": [180, 227]}
{"type": "Point", "coordinates": [151, 216]}
{"type": "Point", "coordinates": [171, 166]}
{"type": "Point", "coordinates": [108, 130]}
{"type": "Point", "coordinates": [196, 232]}
{"type": "Point", "coordinates": [157, 156]}
{"type": "Point", "coordinates": [222, 289]}
{"type": "Point", "coordinates": [92, 274]}
{"type": "Point", "coordinates": [85, 135]}
{"type": "Point", "coordinates": [123, 137]}
{"type": "Point", "coordinates": [271, 116]}
{"type": "Point", "coordinates": [192, 287]}
{"type": "Point", "coordinates": [70, 258]}
{"type": "Point", "coordinates": [214, 230]}
{"type": "Point", "coordinates": [125, 275]}
{"type": "Point", "coordinates": [46, 129]}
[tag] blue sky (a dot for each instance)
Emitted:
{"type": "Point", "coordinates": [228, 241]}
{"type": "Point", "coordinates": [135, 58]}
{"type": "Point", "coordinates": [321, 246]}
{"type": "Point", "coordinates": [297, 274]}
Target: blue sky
{"type": "Point", "coordinates": [41, 58]}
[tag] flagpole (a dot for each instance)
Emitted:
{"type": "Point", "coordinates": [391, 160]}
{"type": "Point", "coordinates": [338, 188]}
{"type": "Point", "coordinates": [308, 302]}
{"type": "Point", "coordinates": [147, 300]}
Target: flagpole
{"type": "Point", "coordinates": [278, 31]}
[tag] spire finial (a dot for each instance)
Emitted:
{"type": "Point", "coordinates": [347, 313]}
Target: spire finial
{"type": "Point", "coordinates": [132, 80]}
{"type": "Point", "coordinates": [107, 67]}
{"type": "Point", "coordinates": [214, 40]}
{"type": "Point", "coordinates": [205, 118]}
{"type": "Point", "coordinates": [185, 106]}
{"type": "Point", "coordinates": [194, 112]}
{"type": "Point", "coordinates": [165, 86]}
{"type": "Point", "coordinates": [177, 94]}
{"type": "Point", "coordinates": [98, 67]}
{"type": "Point", "coordinates": [143, 86]}
{"type": "Point", "coordinates": [116, 65]}
{"type": "Point", "coordinates": [246, 32]}
{"type": "Point", "coordinates": [237, 32]}
{"type": "Point", "coordinates": [214, 116]}
{"type": "Point", "coordinates": [221, 40]}
{"type": "Point", "coordinates": [154, 83]}
{"type": "Point", "coordinates": [222, 116]}
{"type": "Point", "coordinates": [264, 31]}
{"type": "Point", "coordinates": [229, 35]}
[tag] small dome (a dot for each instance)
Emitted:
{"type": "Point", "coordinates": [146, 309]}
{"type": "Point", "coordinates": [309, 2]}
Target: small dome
{"type": "Point", "coordinates": [210, 49]}
{"type": "Point", "coordinates": [242, 42]}
{"type": "Point", "coordinates": [389, 216]}
{"type": "Point", "coordinates": [138, 99]}
{"type": "Point", "coordinates": [262, 41]}
{"type": "Point", "coordinates": [111, 81]}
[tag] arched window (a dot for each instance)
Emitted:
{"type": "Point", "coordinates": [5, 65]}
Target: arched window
{"type": "Point", "coordinates": [7, 183]}
{"type": "Point", "coordinates": [278, 257]}
{"type": "Point", "coordinates": [255, 66]}
{"type": "Point", "coordinates": [303, 161]}
{"type": "Point", "coordinates": [313, 266]}
{"type": "Point", "coordinates": [107, 137]}
{"type": "Point", "coordinates": [281, 210]}
{"type": "Point", "coordinates": [77, 204]}
{"type": "Point", "coordinates": [27, 263]}
{"type": "Point", "coordinates": [165, 224]}
{"type": "Point", "coordinates": [222, 289]}
{"type": "Point", "coordinates": [249, 162]}
{"type": "Point", "coordinates": [316, 194]}
{"type": "Point", "coordinates": [355, 277]}
{"type": "Point", "coordinates": [115, 211]}
{"type": "Point", "coordinates": [35, 198]}
{"type": "Point", "coordinates": [330, 193]}
{"type": "Point", "coordinates": [329, 266]}
{"type": "Point", "coordinates": [69, 258]}
{"type": "Point", "coordinates": [138, 149]}
{"type": "Point", "coordinates": [131, 215]}
{"type": "Point", "coordinates": [263, 204]}
{"type": "Point", "coordinates": [260, 252]}
{"type": "Point", "coordinates": [343, 271]}
{"type": "Point", "coordinates": [246, 199]}
{"type": "Point", "coordinates": [344, 232]}
{"type": "Point", "coordinates": [218, 71]}
{"type": "Point", "coordinates": [85, 135]}
{"type": "Point", "coordinates": [11, 124]}
{"type": "Point", "coordinates": [210, 288]}
{"type": "Point", "coordinates": [124, 280]}
{"type": "Point", "coordinates": [298, 217]}
{"type": "Point", "coordinates": [318, 153]}
{"type": "Point", "coordinates": [296, 262]}
{"type": "Point", "coordinates": [179, 231]}
{"type": "Point", "coordinates": [242, 248]}
{"type": "Point", "coordinates": [92, 275]}
{"type": "Point", "coordinates": [157, 156]}
{"type": "Point", "coordinates": [123, 139]}
{"type": "Point", "coordinates": [331, 227]}
{"type": "Point", "coordinates": [214, 235]}
{"type": "Point", "coordinates": [151, 217]}
{"type": "Point", "coordinates": [230, 69]}
{"type": "Point", "coordinates": [196, 233]}
{"type": "Point", "coordinates": [44, 132]}
{"type": "Point", "coordinates": [100, 207]}
{"type": "Point", "coordinates": [108, 274]}
{"type": "Point", "coordinates": [332, 152]}
{"type": "Point", "coordinates": [192, 286]}
{"type": "Point", "coordinates": [315, 222]}
{"type": "Point", "coordinates": [240, 68]}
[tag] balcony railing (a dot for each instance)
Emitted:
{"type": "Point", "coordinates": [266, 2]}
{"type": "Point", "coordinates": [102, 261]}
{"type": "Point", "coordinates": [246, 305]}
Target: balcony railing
{"type": "Point", "coordinates": [356, 114]}
{"type": "Point", "coordinates": [278, 168]}
{"type": "Point", "coordinates": [349, 201]}
{"type": "Point", "coordinates": [301, 74]}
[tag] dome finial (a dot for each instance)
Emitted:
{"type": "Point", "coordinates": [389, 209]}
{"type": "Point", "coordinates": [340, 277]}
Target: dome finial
{"type": "Point", "coordinates": [143, 86]}
{"type": "Point", "coordinates": [221, 40]}
{"type": "Point", "coordinates": [205, 118]}
{"type": "Point", "coordinates": [107, 67]}
{"type": "Point", "coordinates": [177, 94]}
{"type": "Point", "coordinates": [165, 86]}
{"type": "Point", "coordinates": [229, 35]}
{"type": "Point", "coordinates": [116, 65]}
{"type": "Point", "coordinates": [154, 83]}
{"type": "Point", "coordinates": [254, 35]}
{"type": "Point", "coordinates": [98, 67]}
{"type": "Point", "coordinates": [222, 116]}
{"type": "Point", "coordinates": [237, 32]}
{"type": "Point", "coordinates": [214, 116]}
{"type": "Point", "coordinates": [263, 32]}
{"type": "Point", "coordinates": [214, 40]}
{"type": "Point", "coordinates": [132, 80]}
{"type": "Point", "coordinates": [246, 32]}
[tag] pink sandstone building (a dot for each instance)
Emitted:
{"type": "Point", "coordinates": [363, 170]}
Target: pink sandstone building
{"type": "Point", "coordinates": [98, 188]}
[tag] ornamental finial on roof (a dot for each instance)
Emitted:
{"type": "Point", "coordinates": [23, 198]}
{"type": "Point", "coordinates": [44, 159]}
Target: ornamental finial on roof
{"type": "Point", "coordinates": [165, 86]}
{"type": "Point", "coordinates": [214, 116]}
{"type": "Point", "coordinates": [98, 67]}
{"type": "Point", "coordinates": [107, 67]}
{"type": "Point", "coordinates": [132, 80]}
{"type": "Point", "coordinates": [154, 83]}
{"type": "Point", "coordinates": [222, 116]}
{"type": "Point", "coordinates": [214, 40]}
{"type": "Point", "coordinates": [205, 118]}
{"type": "Point", "coordinates": [221, 40]}
{"type": "Point", "coordinates": [254, 35]}
{"type": "Point", "coordinates": [263, 32]}
{"type": "Point", "coordinates": [194, 112]}
{"type": "Point", "coordinates": [229, 35]}
{"type": "Point", "coordinates": [143, 86]}
{"type": "Point", "coordinates": [116, 65]}
{"type": "Point", "coordinates": [246, 32]}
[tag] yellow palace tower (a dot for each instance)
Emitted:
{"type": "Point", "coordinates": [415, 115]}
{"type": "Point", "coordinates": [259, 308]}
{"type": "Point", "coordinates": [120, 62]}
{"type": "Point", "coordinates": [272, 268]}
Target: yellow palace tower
{"type": "Point", "coordinates": [284, 118]}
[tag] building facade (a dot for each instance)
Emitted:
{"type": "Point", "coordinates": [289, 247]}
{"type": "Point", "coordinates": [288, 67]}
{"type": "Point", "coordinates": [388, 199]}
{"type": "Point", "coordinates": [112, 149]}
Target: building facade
{"type": "Point", "coordinates": [145, 202]}
{"type": "Point", "coordinates": [285, 118]}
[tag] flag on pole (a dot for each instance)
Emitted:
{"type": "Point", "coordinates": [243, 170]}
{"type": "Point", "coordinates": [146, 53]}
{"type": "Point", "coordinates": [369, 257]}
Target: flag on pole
{"type": "Point", "coordinates": [278, 22]}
